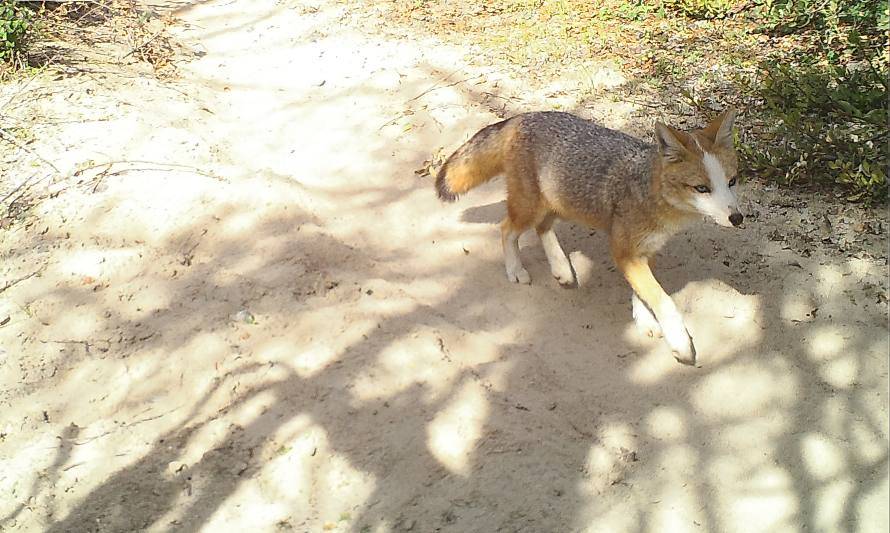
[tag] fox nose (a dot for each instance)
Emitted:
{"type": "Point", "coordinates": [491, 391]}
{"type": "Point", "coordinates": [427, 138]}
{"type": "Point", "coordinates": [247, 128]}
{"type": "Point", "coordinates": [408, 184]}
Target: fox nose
{"type": "Point", "coordinates": [736, 219]}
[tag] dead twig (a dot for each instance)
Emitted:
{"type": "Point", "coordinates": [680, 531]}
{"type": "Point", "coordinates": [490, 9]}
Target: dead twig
{"type": "Point", "coordinates": [16, 199]}
{"type": "Point", "coordinates": [403, 114]}
{"type": "Point", "coordinates": [139, 48]}
{"type": "Point", "coordinates": [75, 465]}
{"type": "Point", "coordinates": [122, 426]}
{"type": "Point", "coordinates": [20, 185]}
{"type": "Point", "coordinates": [492, 95]}
{"type": "Point", "coordinates": [436, 86]}
{"type": "Point", "coordinates": [98, 179]}
{"type": "Point", "coordinates": [19, 280]}
{"type": "Point", "coordinates": [11, 138]}
{"type": "Point", "coordinates": [188, 170]}
{"type": "Point", "coordinates": [161, 167]}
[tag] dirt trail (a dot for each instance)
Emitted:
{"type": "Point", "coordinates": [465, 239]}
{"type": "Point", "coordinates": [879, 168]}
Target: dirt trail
{"type": "Point", "coordinates": [265, 321]}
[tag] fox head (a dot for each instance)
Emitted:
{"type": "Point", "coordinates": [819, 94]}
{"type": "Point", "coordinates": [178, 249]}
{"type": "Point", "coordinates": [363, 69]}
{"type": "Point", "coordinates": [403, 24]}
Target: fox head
{"type": "Point", "coordinates": [698, 169]}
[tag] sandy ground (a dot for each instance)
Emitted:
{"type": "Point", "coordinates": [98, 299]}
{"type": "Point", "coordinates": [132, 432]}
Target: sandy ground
{"type": "Point", "coordinates": [263, 319]}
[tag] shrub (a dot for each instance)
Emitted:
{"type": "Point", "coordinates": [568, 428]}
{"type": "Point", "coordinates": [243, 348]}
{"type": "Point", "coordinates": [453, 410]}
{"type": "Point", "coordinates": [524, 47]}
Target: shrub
{"type": "Point", "coordinates": [824, 107]}
{"type": "Point", "coordinates": [788, 16]}
{"type": "Point", "coordinates": [824, 123]}
{"type": "Point", "coordinates": [15, 21]}
{"type": "Point", "coordinates": [702, 9]}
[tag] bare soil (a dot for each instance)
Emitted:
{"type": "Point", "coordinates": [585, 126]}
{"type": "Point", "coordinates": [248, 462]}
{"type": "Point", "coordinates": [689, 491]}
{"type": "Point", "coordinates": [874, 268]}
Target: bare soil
{"type": "Point", "coordinates": [230, 301]}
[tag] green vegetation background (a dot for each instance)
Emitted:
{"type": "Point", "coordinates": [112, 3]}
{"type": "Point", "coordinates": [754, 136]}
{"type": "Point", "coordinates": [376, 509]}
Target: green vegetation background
{"type": "Point", "coordinates": [810, 75]}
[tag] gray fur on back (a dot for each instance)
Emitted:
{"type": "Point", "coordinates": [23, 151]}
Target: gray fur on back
{"type": "Point", "coordinates": [593, 169]}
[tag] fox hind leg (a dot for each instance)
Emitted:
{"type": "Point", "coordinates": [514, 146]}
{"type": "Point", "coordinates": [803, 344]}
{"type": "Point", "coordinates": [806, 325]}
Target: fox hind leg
{"type": "Point", "coordinates": [560, 266]}
{"type": "Point", "coordinates": [510, 233]}
{"type": "Point", "coordinates": [524, 210]}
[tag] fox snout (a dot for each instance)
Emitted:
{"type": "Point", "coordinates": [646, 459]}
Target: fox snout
{"type": "Point", "coordinates": [731, 218]}
{"type": "Point", "coordinates": [724, 213]}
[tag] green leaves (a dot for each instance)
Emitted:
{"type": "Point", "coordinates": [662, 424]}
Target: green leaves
{"type": "Point", "coordinates": [15, 21]}
{"type": "Point", "coordinates": [702, 9]}
{"type": "Point", "coordinates": [824, 104]}
{"type": "Point", "coordinates": [824, 125]}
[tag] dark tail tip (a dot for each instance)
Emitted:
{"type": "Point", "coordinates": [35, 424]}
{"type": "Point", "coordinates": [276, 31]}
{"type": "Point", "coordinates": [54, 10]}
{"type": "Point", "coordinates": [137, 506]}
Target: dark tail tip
{"type": "Point", "coordinates": [443, 191]}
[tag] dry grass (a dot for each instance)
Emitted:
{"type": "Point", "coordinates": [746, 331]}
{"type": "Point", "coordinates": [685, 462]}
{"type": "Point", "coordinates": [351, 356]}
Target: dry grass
{"type": "Point", "coordinates": [72, 35]}
{"type": "Point", "coordinates": [97, 39]}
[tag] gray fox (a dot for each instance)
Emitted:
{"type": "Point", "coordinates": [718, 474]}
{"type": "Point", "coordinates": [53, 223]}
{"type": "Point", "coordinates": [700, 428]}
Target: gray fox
{"type": "Point", "coordinates": [558, 165]}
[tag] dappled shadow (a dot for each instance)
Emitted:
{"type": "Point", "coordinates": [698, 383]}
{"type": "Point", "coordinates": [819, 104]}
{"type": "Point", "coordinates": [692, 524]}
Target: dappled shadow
{"type": "Point", "coordinates": [61, 458]}
{"type": "Point", "coordinates": [547, 416]}
{"type": "Point", "coordinates": [486, 214]}
{"type": "Point", "coordinates": [320, 344]}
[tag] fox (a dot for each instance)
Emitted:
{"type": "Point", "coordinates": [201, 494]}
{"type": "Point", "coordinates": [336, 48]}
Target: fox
{"type": "Point", "coordinates": [559, 166]}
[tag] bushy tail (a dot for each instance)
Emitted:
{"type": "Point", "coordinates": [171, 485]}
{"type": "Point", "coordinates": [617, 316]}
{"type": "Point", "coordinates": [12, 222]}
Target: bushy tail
{"type": "Point", "coordinates": [477, 161]}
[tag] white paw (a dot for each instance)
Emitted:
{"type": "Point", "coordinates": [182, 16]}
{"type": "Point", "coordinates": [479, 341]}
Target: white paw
{"type": "Point", "coordinates": [519, 275]}
{"type": "Point", "coordinates": [678, 339]}
{"type": "Point", "coordinates": [646, 323]}
{"type": "Point", "coordinates": [563, 273]}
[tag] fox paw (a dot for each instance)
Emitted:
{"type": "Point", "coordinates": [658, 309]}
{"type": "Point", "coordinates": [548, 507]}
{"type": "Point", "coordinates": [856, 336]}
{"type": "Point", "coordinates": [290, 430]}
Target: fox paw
{"type": "Point", "coordinates": [646, 324]}
{"type": "Point", "coordinates": [566, 277]}
{"type": "Point", "coordinates": [686, 356]}
{"type": "Point", "coordinates": [680, 342]}
{"type": "Point", "coordinates": [564, 274]}
{"type": "Point", "coordinates": [519, 275]}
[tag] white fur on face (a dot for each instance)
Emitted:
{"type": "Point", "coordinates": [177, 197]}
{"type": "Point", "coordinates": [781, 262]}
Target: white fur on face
{"type": "Point", "coordinates": [721, 202]}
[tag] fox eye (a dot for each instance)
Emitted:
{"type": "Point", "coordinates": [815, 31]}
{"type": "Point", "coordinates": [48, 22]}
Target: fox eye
{"type": "Point", "coordinates": [702, 188]}
{"type": "Point", "coordinates": [732, 182]}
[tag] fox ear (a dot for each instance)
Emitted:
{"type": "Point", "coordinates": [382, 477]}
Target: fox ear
{"type": "Point", "coordinates": [669, 145]}
{"type": "Point", "coordinates": [720, 129]}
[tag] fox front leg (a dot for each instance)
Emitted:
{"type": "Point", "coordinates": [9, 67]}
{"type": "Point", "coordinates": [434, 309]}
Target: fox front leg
{"type": "Point", "coordinates": [560, 266]}
{"type": "Point", "coordinates": [637, 272]}
{"type": "Point", "coordinates": [643, 318]}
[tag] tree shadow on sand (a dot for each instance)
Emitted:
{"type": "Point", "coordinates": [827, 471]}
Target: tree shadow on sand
{"type": "Point", "coordinates": [480, 406]}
